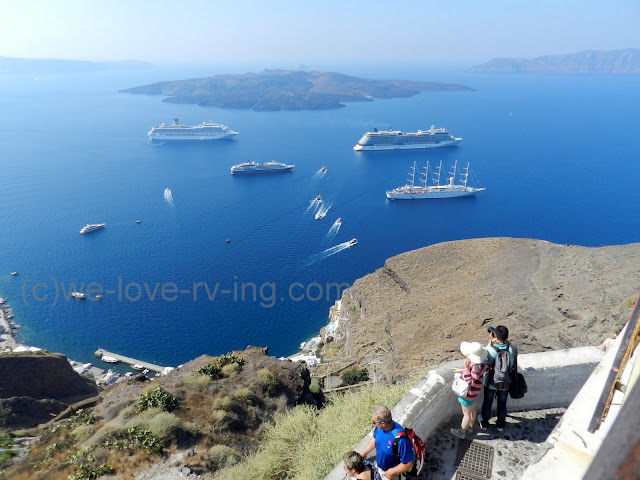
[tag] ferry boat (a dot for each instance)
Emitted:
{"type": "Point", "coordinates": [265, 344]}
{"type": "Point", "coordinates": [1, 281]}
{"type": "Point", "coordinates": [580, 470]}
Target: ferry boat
{"type": "Point", "coordinates": [249, 168]}
{"type": "Point", "coordinates": [91, 227]}
{"type": "Point", "coordinates": [204, 131]}
{"type": "Point", "coordinates": [397, 140]}
{"type": "Point", "coordinates": [410, 191]}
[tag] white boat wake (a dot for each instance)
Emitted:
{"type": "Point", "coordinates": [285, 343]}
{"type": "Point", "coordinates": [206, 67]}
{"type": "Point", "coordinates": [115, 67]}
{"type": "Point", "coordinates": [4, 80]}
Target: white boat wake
{"type": "Point", "coordinates": [328, 252]}
{"type": "Point", "coordinates": [168, 197]}
{"type": "Point", "coordinates": [314, 204]}
{"type": "Point", "coordinates": [334, 229]}
{"type": "Point", "coordinates": [321, 172]}
{"type": "Point", "coordinates": [322, 211]}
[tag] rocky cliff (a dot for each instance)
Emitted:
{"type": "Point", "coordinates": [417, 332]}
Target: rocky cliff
{"type": "Point", "coordinates": [36, 385]}
{"type": "Point", "coordinates": [414, 311]}
{"type": "Point", "coordinates": [589, 61]}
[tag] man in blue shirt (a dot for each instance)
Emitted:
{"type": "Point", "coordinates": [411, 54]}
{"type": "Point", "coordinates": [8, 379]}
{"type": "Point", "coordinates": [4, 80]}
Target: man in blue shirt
{"type": "Point", "coordinates": [498, 340]}
{"type": "Point", "coordinates": [390, 462]}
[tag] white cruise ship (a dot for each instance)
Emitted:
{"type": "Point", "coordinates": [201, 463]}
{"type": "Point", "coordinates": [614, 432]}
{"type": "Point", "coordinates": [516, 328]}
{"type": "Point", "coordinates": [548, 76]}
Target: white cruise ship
{"type": "Point", "coordinates": [397, 140]}
{"type": "Point", "coordinates": [91, 227]}
{"type": "Point", "coordinates": [249, 168]}
{"type": "Point", "coordinates": [450, 190]}
{"type": "Point", "coordinates": [205, 131]}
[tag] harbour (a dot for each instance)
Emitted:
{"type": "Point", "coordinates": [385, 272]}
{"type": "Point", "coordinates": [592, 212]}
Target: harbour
{"type": "Point", "coordinates": [101, 353]}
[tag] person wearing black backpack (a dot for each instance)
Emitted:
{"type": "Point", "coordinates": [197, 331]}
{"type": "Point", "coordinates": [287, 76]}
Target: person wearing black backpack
{"type": "Point", "coordinates": [496, 380]}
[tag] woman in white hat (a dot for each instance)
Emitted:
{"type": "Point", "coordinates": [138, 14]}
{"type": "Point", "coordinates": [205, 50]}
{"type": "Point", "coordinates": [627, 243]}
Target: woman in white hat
{"type": "Point", "coordinates": [475, 366]}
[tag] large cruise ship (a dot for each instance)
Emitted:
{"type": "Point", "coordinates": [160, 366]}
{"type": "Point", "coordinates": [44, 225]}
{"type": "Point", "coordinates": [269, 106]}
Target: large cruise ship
{"type": "Point", "coordinates": [248, 168]}
{"type": "Point", "coordinates": [410, 191]}
{"type": "Point", "coordinates": [397, 140]}
{"type": "Point", "coordinates": [204, 131]}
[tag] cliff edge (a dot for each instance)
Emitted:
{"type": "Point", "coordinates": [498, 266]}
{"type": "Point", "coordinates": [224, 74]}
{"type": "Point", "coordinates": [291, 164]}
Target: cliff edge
{"type": "Point", "coordinates": [414, 311]}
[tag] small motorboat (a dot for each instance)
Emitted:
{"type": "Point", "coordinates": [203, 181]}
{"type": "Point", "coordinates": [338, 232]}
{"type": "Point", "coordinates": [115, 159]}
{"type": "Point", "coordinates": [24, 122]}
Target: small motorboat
{"type": "Point", "coordinates": [78, 295]}
{"type": "Point", "coordinates": [319, 198]}
{"type": "Point", "coordinates": [14, 273]}
{"type": "Point", "coordinates": [352, 242]}
{"type": "Point", "coordinates": [109, 359]}
{"type": "Point", "coordinates": [320, 215]}
{"type": "Point", "coordinates": [137, 366]}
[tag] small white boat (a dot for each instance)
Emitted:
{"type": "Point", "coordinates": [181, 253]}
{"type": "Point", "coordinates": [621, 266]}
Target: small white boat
{"type": "Point", "coordinates": [353, 241]}
{"type": "Point", "coordinates": [323, 169]}
{"type": "Point", "coordinates": [78, 295]}
{"type": "Point", "coordinates": [137, 366]}
{"type": "Point", "coordinates": [319, 198]}
{"type": "Point", "coordinates": [14, 273]}
{"type": "Point", "coordinates": [109, 359]}
{"type": "Point", "coordinates": [320, 214]}
{"type": "Point", "coordinates": [339, 221]}
{"type": "Point", "coordinates": [91, 227]}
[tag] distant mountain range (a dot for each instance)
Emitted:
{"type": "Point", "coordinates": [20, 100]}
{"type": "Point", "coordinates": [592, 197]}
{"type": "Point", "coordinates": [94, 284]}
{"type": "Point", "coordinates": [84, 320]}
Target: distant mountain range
{"type": "Point", "coordinates": [285, 90]}
{"type": "Point", "coordinates": [44, 65]}
{"type": "Point", "coordinates": [589, 61]}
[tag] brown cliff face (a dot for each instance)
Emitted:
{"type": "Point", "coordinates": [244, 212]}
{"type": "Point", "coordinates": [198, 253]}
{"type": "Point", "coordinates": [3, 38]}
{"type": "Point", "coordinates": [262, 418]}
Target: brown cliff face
{"type": "Point", "coordinates": [34, 387]}
{"type": "Point", "coordinates": [41, 375]}
{"type": "Point", "coordinates": [414, 312]}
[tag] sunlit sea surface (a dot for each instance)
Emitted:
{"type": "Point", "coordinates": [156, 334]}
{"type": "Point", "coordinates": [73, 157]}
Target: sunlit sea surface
{"type": "Point", "coordinates": [558, 156]}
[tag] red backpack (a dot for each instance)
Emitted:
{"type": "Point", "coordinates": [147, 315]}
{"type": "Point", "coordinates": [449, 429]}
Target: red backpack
{"type": "Point", "coordinates": [418, 448]}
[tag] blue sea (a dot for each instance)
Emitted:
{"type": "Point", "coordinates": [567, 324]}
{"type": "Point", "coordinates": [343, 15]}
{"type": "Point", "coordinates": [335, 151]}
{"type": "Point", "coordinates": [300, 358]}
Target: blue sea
{"type": "Point", "coordinates": [557, 154]}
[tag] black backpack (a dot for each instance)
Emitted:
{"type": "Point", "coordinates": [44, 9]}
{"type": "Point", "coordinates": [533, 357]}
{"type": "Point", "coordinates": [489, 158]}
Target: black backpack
{"type": "Point", "coordinates": [501, 378]}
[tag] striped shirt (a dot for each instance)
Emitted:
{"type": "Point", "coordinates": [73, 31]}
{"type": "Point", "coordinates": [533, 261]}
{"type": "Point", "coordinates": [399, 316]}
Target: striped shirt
{"type": "Point", "coordinates": [474, 376]}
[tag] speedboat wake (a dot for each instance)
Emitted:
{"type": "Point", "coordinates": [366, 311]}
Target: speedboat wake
{"type": "Point", "coordinates": [330, 251]}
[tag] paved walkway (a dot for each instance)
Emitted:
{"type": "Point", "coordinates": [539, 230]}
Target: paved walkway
{"type": "Point", "coordinates": [515, 448]}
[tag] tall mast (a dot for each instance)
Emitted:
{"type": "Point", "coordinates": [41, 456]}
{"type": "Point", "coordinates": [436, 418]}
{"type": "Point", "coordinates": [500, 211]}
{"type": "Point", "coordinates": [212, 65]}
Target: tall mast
{"type": "Point", "coordinates": [426, 175]}
{"type": "Point", "coordinates": [436, 176]}
{"type": "Point", "coordinates": [412, 175]}
{"type": "Point", "coordinates": [465, 175]}
{"type": "Point", "coordinates": [453, 174]}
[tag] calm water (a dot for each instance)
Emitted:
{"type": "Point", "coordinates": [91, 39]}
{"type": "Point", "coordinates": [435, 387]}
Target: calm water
{"type": "Point", "coordinates": [557, 154]}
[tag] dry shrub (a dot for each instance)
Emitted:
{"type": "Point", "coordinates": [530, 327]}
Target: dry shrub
{"type": "Point", "coordinates": [82, 433]}
{"type": "Point", "coordinates": [221, 456]}
{"type": "Point", "coordinates": [231, 370]}
{"type": "Point", "coordinates": [224, 403]}
{"type": "Point", "coordinates": [305, 444]}
{"type": "Point", "coordinates": [199, 383]}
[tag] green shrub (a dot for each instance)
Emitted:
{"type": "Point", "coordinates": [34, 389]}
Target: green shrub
{"type": "Point", "coordinates": [229, 358]}
{"type": "Point", "coordinates": [163, 426]}
{"type": "Point", "coordinates": [354, 376]}
{"type": "Point", "coordinates": [6, 456]}
{"type": "Point", "coordinates": [221, 456]}
{"type": "Point", "coordinates": [213, 371]}
{"type": "Point", "coordinates": [81, 418]}
{"type": "Point", "coordinates": [158, 398]}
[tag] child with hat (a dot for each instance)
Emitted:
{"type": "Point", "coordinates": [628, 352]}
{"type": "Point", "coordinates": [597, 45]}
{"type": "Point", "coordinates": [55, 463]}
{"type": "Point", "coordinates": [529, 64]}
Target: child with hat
{"type": "Point", "coordinates": [475, 366]}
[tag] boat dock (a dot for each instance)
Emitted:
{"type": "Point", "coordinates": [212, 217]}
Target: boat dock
{"type": "Point", "coordinates": [130, 361]}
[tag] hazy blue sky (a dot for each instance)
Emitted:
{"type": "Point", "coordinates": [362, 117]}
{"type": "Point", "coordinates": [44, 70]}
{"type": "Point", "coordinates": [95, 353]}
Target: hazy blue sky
{"type": "Point", "coordinates": [302, 31]}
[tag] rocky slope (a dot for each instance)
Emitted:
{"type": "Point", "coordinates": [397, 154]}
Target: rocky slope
{"type": "Point", "coordinates": [414, 312]}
